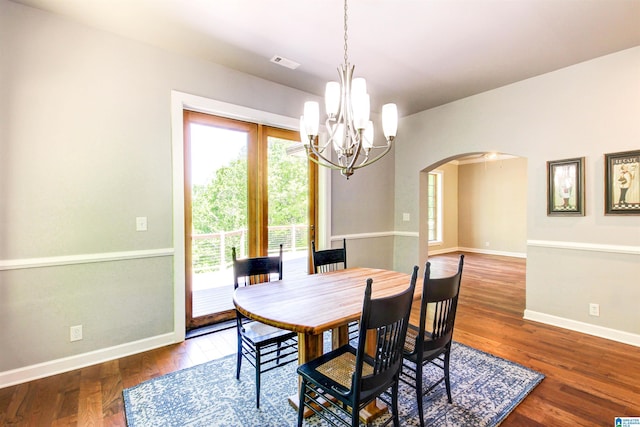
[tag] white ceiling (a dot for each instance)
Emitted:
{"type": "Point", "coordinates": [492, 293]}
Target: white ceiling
{"type": "Point", "coordinates": [417, 53]}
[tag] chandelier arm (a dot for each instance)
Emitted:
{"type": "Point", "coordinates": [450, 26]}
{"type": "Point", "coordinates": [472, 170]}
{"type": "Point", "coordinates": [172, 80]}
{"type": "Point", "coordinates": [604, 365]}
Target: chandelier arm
{"type": "Point", "coordinates": [321, 159]}
{"type": "Point", "coordinates": [325, 164]}
{"type": "Point", "coordinates": [356, 135]}
{"type": "Point", "coordinates": [375, 159]}
{"type": "Point", "coordinates": [332, 128]}
{"type": "Point", "coordinates": [320, 148]}
{"type": "Point", "coordinates": [334, 139]}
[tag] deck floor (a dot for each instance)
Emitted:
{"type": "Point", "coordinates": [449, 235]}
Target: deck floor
{"type": "Point", "coordinates": [213, 292]}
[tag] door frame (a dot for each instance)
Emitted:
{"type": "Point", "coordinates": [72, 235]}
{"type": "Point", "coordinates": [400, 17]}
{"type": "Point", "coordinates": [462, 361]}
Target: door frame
{"type": "Point", "coordinates": [252, 131]}
{"type": "Point", "coordinates": [179, 102]}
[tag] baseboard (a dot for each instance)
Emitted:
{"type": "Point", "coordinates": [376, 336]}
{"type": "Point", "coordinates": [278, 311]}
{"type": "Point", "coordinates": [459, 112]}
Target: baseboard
{"type": "Point", "coordinates": [477, 251]}
{"type": "Point", "coordinates": [66, 364]}
{"type": "Point", "coordinates": [585, 328]}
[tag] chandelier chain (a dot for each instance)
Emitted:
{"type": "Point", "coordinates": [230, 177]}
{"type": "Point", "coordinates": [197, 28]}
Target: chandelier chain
{"type": "Point", "coordinates": [346, 59]}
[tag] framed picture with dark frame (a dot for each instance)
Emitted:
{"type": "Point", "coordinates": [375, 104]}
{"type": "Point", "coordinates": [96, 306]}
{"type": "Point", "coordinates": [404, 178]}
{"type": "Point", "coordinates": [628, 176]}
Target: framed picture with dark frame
{"type": "Point", "coordinates": [565, 187]}
{"type": "Point", "coordinates": [622, 183]}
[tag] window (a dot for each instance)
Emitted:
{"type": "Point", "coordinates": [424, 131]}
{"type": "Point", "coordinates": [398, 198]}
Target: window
{"type": "Point", "coordinates": [434, 206]}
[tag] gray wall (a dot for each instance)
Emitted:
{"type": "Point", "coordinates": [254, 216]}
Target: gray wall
{"type": "Point", "coordinates": [362, 212]}
{"type": "Point", "coordinates": [585, 110]}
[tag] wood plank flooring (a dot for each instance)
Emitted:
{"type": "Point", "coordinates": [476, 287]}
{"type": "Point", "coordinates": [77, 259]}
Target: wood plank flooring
{"type": "Point", "coordinates": [588, 381]}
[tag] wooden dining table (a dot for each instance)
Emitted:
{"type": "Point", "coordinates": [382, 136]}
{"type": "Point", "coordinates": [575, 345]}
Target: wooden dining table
{"type": "Point", "coordinates": [317, 303]}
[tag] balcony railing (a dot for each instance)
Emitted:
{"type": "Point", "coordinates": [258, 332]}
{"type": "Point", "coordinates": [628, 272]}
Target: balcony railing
{"type": "Point", "coordinates": [212, 252]}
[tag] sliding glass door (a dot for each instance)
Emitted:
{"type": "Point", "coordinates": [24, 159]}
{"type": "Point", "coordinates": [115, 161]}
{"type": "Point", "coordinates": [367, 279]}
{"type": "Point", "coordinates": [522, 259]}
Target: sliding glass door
{"type": "Point", "coordinates": [242, 191]}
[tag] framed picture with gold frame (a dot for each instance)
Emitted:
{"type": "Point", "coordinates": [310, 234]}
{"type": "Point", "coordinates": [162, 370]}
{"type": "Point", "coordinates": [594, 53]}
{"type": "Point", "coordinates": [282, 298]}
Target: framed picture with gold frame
{"type": "Point", "coordinates": [565, 187]}
{"type": "Point", "coordinates": [622, 183]}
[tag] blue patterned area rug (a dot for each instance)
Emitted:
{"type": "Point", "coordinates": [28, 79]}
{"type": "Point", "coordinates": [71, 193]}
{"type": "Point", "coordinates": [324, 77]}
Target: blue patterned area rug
{"type": "Point", "coordinates": [485, 389]}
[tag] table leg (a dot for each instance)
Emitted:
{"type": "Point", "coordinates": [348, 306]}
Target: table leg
{"type": "Point", "coordinates": [339, 336]}
{"type": "Point", "coordinates": [309, 347]}
{"type": "Point", "coordinates": [376, 408]}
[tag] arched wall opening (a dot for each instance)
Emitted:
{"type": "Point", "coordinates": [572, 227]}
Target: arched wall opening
{"type": "Point", "coordinates": [483, 205]}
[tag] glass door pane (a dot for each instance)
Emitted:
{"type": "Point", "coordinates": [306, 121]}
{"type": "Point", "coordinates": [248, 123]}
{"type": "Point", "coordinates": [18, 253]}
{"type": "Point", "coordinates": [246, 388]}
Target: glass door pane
{"type": "Point", "coordinates": [288, 201]}
{"type": "Point", "coordinates": [219, 214]}
{"type": "Point", "coordinates": [242, 190]}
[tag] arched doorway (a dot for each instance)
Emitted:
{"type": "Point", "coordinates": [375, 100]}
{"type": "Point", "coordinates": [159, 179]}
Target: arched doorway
{"type": "Point", "coordinates": [481, 205]}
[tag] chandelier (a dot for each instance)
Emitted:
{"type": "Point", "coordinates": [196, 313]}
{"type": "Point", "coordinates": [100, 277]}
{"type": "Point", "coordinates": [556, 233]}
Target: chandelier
{"type": "Point", "coordinates": [350, 132]}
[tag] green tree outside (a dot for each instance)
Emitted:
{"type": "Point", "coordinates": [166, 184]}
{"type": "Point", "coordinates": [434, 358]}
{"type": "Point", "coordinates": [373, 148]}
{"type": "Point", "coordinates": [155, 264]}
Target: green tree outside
{"type": "Point", "coordinates": [220, 205]}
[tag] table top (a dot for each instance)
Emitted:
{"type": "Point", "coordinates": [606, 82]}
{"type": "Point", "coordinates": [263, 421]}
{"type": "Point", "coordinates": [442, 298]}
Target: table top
{"type": "Point", "coordinates": [318, 302]}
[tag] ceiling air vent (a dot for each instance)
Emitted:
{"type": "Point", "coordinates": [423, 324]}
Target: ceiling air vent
{"type": "Point", "coordinates": [285, 62]}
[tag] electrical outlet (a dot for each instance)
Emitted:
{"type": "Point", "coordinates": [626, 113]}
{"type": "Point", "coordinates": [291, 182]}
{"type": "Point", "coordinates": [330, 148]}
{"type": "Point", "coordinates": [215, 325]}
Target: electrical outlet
{"type": "Point", "coordinates": [594, 309]}
{"type": "Point", "coordinates": [75, 333]}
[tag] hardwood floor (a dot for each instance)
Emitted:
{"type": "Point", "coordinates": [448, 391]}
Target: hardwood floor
{"type": "Point", "coordinates": [589, 380]}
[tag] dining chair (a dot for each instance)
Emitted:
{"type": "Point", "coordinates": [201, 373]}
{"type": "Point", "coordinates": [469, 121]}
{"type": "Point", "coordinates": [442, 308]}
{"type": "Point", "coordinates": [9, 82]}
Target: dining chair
{"type": "Point", "coordinates": [347, 378]}
{"type": "Point", "coordinates": [432, 344]}
{"type": "Point", "coordinates": [331, 260]}
{"type": "Point", "coordinates": [263, 346]}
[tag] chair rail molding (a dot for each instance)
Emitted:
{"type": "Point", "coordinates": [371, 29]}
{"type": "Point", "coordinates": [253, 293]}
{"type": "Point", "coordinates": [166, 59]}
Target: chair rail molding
{"type": "Point", "coordinates": [374, 235]}
{"type": "Point", "coordinates": [17, 264]}
{"type": "Point", "coordinates": [592, 247]}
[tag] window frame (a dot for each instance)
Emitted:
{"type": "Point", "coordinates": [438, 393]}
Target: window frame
{"type": "Point", "coordinates": [438, 198]}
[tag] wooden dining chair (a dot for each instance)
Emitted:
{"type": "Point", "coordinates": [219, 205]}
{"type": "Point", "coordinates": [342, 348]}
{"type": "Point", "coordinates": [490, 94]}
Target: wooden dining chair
{"type": "Point", "coordinates": [430, 342]}
{"type": "Point", "coordinates": [347, 379]}
{"type": "Point", "coordinates": [331, 260]}
{"type": "Point", "coordinates": [263, 346]}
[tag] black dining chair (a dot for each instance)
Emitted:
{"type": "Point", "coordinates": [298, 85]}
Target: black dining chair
{"type": "Point", "coordinates": [263, 346]}
{"type": "Point", "coordinates": [331, 260]}
{"type": "Point", "coordinates": [431, 342]}
{"type": "Point", "coordinates": [347, 379]}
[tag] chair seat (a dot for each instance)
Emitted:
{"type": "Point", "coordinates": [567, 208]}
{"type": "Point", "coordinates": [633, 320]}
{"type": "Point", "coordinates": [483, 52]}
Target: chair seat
{"type": "Point", "coordinates": [412, 337]}
{"type": "Point", "coordinates": [260, 334]}
{"type": "Point", "coordinates": [334, 370]}
{"type": "Point", "coordinates": [431, 348]}
{"type": "Point", "coordinates": [341, 368]}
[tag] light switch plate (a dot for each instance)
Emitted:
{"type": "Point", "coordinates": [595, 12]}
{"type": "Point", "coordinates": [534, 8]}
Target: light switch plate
{"type": "Point", "coordinates": [141, 223]}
